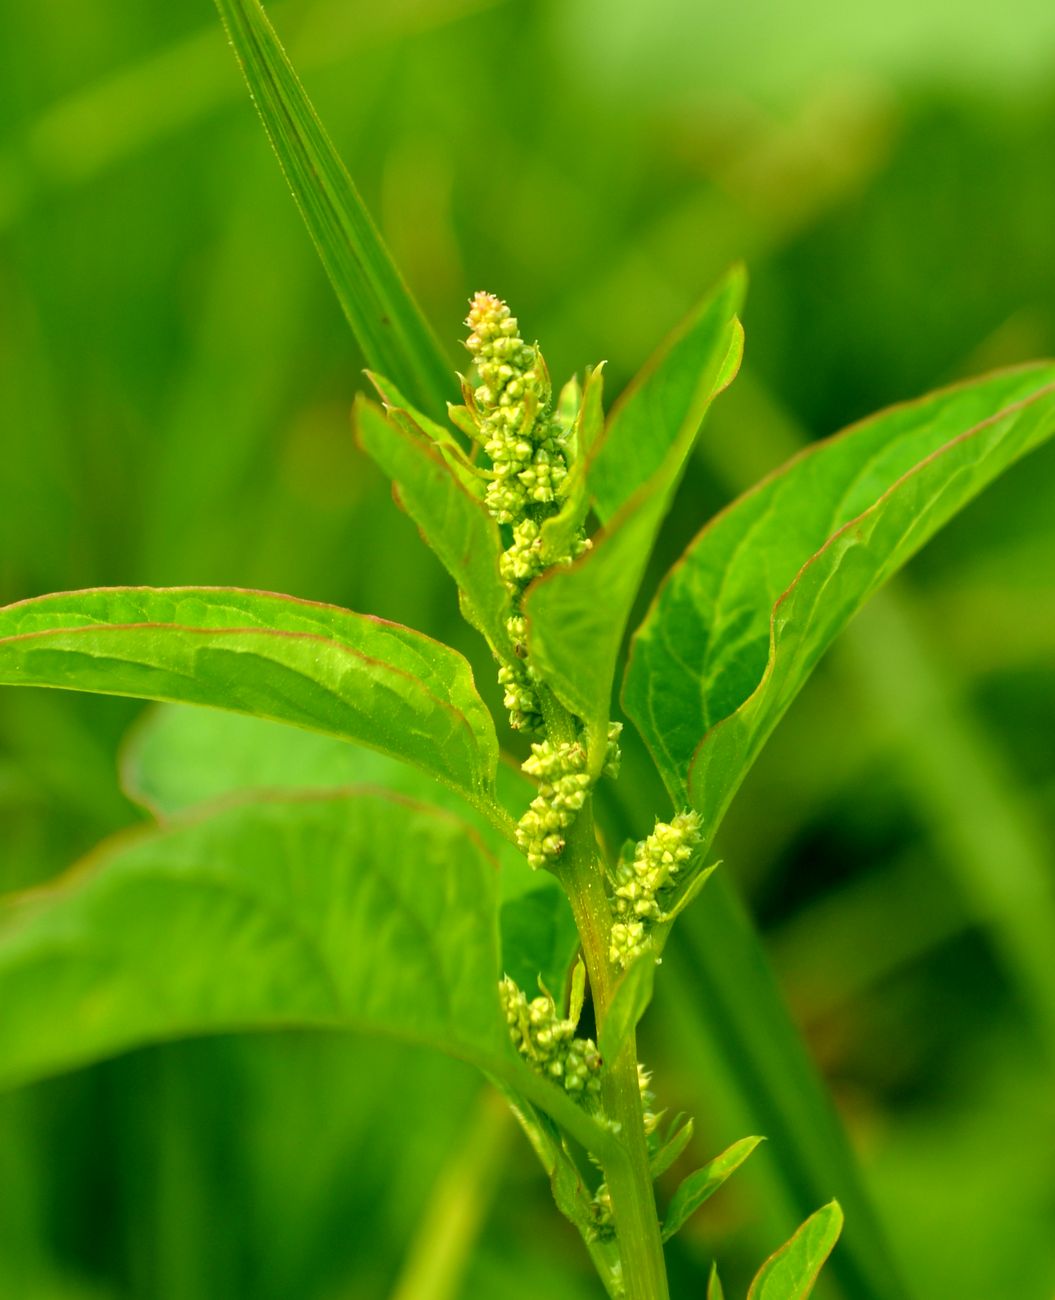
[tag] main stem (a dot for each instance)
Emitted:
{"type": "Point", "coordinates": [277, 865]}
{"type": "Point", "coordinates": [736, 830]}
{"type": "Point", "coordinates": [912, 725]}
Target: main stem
{"type": "Point", "coordinates": [629, 1176]}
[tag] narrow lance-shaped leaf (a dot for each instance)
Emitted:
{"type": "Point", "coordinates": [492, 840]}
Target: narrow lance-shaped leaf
{"type": "Point", "coordinates": [587, 431]}
{"type": "Point", "coordinates": [680, 1135]}
{"type": "Point", "coordinates": [577, 614]}
{"type": "Point", "coordinates": [701, 1185]}
{"type": "Point", "coordinates": [340, 911]}
{"type": "Point", "coordinates": [450, 449]}
{"type": "Point", "coordinates": [761, 593]}
{"type": "Point", "coordinates": [791, 1272]}
{"type": "Point", "coordinates": [313, 665]}
{"type": "Point", "coordinates": [452, 521]}
{"type": "Point", "coordinates": [383, 315]}
{"type": "Point", "coordinates": [714, 1285]}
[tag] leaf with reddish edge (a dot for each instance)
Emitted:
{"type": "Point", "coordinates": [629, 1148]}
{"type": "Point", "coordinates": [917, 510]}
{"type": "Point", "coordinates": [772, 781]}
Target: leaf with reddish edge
{"type": "Point", "coordinates": [452, 521]}
{"type": "Point", "coordinates": [791, 1272]}
{"type": "Point", "coordinates": [744, 616]}
{"type": "Point", "coordinates": [313, 665]}
{"type": "Point", "coordinates": [702, 1185]}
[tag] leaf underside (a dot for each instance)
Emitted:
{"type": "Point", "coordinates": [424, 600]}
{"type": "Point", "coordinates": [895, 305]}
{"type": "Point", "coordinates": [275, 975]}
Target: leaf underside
{"type": "Point", "coordinates": [333, 911]}
{"type": "Point", "coordinates": [315, 666]}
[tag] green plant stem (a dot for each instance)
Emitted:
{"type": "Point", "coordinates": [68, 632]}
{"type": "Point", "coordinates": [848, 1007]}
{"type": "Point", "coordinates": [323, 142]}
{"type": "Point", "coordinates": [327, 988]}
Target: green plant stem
{"type": "Point", "coordinates": [628, 1175]}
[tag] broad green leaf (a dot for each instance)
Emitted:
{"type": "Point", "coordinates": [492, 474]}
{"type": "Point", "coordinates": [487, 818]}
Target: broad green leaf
{"type": "Point", "coordinates": [629, 1002]}
{"type": "Point", "coordinates": [539, 938]}
{"type": "Point", "coordinates": [452, 521]}
{"type": "Point", "coordinates": [384, 317]}
{"type": "Point", "coordinates": [178, 758]}
{"type": "Point", "coordinates": [757, 598]}
{"type": "Point", "coordinates": [714, 1285]}
{"type": "Point", "coordinates": [577, 614]}
{"type": "Point", "coordinates": [316, 666]}
{"type": "Point", "coordinates": [679, 1139]}
{"type": "Point", "coordinates": [791, 1272]}
{"type": "Point", "coordinates": [345, 910]}
{"type": "Point", "coordinates": [335, 910]}
{"type": "Point", "coordinates": [701, 1185]}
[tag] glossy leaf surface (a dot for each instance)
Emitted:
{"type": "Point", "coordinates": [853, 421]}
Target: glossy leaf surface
{"type": "Point", "coordinates": [316, 666]}
{"type": "Point", "coordinates": [791, 1272]}
{"type": "Point", "coordinates": [761, 593]}
{"type": "Point", "coordinates": [701, 1185]}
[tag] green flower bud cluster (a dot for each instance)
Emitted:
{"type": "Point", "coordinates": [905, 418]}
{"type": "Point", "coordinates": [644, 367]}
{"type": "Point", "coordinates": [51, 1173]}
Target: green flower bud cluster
{"type": "Point", "coordinates": [526, 445]}
{"type": "Point", "coordinates": [548, 1041]}
{"type": "Point", "coordinates": [563, 786]}
{"type": "Point", "coordinates": [638, 884]}
{"type": "Point", "coordinates": [512, 405]}
{"type": "Point", "coordinates": [521, 698]}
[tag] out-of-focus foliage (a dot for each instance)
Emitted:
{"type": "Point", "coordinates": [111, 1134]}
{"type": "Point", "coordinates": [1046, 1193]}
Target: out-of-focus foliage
{"type": "Point", "coordinates": [176, 380]}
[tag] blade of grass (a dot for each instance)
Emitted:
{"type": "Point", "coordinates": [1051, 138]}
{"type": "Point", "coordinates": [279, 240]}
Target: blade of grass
{"type": "Point", "coordinates": [386, 321]}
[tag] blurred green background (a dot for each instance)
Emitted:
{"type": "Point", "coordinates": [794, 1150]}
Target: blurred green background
{"type": "Point", "coordinates": [175, 380]}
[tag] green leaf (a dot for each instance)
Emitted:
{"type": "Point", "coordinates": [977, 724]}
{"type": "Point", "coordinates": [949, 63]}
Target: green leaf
{"type": "Point", "coordinates": [337, 910]}
{"type": "Point", "coordinates": [791, 1272]}
{"type": "Point", "coordinates": [441, 438]}
{"type": "Point", "coordinates": [452, 521]}
{"type": "Point", "coordinates": [679, 1139]}
{"type": "Point", "coordinates": [702, 1184]}
{"type": "Point", "coordinates": [757, 598]}
{"type": "Point", "coordinates": [714, 1285]}
{"type": "Point", "coordinates": [629, 1002]}
{"type": "Point", "coordinates": [295, 661]}
{"type": "Point", "coordinates": [341, 911]}
{"type": "Point", "coordinates": [559, 531]}
{"type": "Point", "coordinates": [577, 614]}
{"type": "Point", "coordinates": [668, 400]}
{"type": "Point", "coordinates": [178, 758]}
{"type": "Point", "coordinates": [384, 317]}
{"type": "Point", "coordinates": [539, 937]}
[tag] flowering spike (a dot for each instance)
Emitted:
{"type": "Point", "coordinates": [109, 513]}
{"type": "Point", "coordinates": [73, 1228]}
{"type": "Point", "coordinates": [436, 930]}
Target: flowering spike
{"type": "Point", "coordinates": [639, 883]}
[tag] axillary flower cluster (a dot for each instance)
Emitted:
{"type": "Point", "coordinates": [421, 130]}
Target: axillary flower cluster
{"type": "Point", "coordinates": [529, 448]}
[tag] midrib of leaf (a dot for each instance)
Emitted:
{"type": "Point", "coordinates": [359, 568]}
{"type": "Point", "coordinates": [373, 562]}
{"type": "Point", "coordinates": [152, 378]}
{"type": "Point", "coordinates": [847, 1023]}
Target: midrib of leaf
{"type": "Point", "coordinates": [384, 317]}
